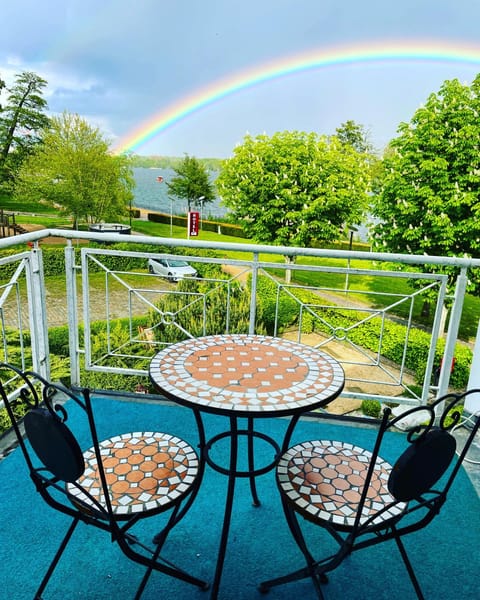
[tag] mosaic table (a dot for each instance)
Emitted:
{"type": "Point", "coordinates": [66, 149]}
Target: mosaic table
{"type": "Point", "coordinates": [245, 376]}
{"type": "Point", "coordinates": [248, 375]}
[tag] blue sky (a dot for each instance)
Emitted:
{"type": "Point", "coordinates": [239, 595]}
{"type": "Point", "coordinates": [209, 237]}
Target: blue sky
{"type": "Point", "coordinates": [119, 62]}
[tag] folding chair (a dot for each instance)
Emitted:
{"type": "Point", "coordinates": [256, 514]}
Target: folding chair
{"type": "Point", "coordinates": [114, 484]}
{"type": "Point", "coordinates": [360, 499]}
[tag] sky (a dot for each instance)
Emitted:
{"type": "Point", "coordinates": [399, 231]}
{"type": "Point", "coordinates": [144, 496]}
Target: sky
{"type": "Point", "coordinates": [194, 77]}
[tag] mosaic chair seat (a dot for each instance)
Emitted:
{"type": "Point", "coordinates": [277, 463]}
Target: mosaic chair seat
{"type": "Point", "coordinates": [361, 499]}
{"type": "Point", "coordinates": [114, 484]}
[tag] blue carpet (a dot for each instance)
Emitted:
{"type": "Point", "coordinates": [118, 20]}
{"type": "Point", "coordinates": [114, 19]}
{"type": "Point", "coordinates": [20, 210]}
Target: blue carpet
{"type": "Point", "coordinates": [260, 547]}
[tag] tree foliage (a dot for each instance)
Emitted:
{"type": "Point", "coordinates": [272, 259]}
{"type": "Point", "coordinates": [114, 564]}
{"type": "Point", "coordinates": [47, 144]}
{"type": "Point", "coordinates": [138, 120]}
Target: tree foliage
{"type": "Point", "coordinates": [74, 170]}
{"type": "Point", "coordinates": [191, 182]}
{"type": "Point", "coordinates": [22, 121]}
{"type": "Point", "coordinates": [355, 135]}
{"type": "Point", "coordinates": [430, 203]}
{"type": "Point", "coordinates": [295, 188]}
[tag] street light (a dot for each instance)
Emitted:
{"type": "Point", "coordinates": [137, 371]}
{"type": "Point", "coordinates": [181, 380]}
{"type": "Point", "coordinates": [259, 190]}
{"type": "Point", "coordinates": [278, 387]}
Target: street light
{"type": "Point", "coordinates": [201, 199]}
{"type": "Point", "coordinates": [160, 180]}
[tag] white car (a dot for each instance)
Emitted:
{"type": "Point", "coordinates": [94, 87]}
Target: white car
{"type": "Point", "coordinates": [172, 269]}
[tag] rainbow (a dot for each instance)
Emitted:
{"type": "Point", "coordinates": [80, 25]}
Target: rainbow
{"type": "Point", "coordinates": [315, 59]}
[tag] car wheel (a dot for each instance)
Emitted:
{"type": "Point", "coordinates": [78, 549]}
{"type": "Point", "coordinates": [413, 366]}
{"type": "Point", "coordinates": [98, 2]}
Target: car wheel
{"type": "Point", "coordinates": [150, 269]}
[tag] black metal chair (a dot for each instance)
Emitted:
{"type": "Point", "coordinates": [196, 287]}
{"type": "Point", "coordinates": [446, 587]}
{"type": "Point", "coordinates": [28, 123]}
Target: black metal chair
{"type": "Point", "coordinates": [114, 484]}
{"type": "Point", "coordinates": [360, 499]}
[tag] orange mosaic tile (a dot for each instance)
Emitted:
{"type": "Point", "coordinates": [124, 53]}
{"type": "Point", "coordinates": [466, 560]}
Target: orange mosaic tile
{"type": "Point", "coordinates": [144, 471]}
{"type": "Point", "coordinates": [324, 480]}
{"type": "Point", "coordinates": [250, 374]}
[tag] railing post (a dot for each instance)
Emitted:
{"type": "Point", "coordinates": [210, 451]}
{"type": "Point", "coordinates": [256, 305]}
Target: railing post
{"type": "Point", "coordinates": [72, 310]}
{"type": "Point", "coordinates": [452, 333]}
{"type": "Point", "coordinates": [38, 313]}
{"type": "Point", "coordinates": [253, 297]}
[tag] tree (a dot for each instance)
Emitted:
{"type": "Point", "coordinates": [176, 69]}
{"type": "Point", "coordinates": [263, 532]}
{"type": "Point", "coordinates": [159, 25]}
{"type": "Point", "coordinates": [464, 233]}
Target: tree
{"type": "Point", "coordinates": [429, 203]}
{"type": "Point", "coordinates": [73, 169]}
{"type": "Point", "coordinates": [350, 133]}
{"type": "Point", "coordinates": [295, 188]}
{"type": "Point", "coordinates": [191, 182]}
{"type": "Point", "coordinates": [2, 85]}
{"type": "Point", "coordinates": [22, 121]}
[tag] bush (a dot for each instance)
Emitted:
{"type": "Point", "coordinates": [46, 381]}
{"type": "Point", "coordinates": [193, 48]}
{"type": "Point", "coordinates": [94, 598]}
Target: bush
{"type": "Point", "coordinates": [371, 408]}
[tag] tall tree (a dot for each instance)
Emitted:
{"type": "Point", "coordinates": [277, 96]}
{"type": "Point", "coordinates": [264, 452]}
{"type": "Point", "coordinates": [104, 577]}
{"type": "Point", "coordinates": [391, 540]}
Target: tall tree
{"type": "Point", "coordinates": [430, 201]}
{"type": "Point", "coordinates": [295, 188]}
{"type": "Point", "coordinates": [191, 182]}
{"type": "Point", "coordinates": [2, 85]}
{"type": "Point", "coordinates": [354, 135]}
{"type": "Point", "coordinates": [74, 170]}
{"type": "Point", "coordinates": [22, 121]}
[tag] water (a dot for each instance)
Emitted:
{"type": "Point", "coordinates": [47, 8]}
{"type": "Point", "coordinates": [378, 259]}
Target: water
{"type": "Point", "coordinates": [152, 195]}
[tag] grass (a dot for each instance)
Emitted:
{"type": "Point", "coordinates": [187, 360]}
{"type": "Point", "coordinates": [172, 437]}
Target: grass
{"type": "Point", "coordinates": [369, 289]}
{"type": "Point", "coordinates": [23, 206]}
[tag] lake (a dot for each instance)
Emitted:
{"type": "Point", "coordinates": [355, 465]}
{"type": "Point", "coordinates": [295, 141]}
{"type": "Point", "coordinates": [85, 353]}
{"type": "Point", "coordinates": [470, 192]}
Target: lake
{"type": "Point", "coordinates": [152, 195]}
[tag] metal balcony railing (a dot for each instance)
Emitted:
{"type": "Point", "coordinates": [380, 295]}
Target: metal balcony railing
{"type": "Point", "coordinates": [119, 316]}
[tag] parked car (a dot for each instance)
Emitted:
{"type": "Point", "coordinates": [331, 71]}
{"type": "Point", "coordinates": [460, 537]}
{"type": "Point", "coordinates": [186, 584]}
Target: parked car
{"type": "Point", "coordinates": [171, 268]}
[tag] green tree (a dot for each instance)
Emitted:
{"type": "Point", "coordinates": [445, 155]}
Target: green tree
{"type": "Point", "coordinates": [295, 188]}
{"type": "Point", "coordinates": [2, 85]}
{"type": "Point", "coordinates": [355, 135]}
{"type": "Point", "coordinates": [191, 182]}
{"type": "Point", "coordinates": [22, 121]}
{"type": "Point", "coordinates": [74, 170]}
{"type": "Point", "coordinates": [429, 202]}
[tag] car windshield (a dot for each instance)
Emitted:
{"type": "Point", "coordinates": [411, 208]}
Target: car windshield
{"type": "Point", "coordinates": [178, 263]}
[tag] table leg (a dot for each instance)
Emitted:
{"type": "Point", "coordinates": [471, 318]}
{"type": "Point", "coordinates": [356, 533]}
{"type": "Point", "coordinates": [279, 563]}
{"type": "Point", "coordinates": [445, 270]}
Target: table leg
{"type": "Point", "coordinates": [228, 507]}
{"type": "Point", "coordinates": [288, 433]}
{"type": "Point", "coordinates": [251, 463]}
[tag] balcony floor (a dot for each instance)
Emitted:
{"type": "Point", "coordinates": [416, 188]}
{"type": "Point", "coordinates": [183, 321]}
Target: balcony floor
{"type": "Point", "coordinates": [260, 546]}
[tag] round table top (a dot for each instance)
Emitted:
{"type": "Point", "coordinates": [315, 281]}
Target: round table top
{"type": "Point", "coordinates": [250, 375]}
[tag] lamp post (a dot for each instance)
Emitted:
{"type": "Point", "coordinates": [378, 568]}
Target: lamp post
{"type": "Point", "coordinates": [160, 180]}
{"type": "Point", "coordinates": [201, 199]}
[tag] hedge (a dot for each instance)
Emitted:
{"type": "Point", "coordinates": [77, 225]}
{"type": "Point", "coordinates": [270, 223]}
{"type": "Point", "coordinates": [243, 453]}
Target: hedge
{"type": "Point", "coordinates": [215, 226]}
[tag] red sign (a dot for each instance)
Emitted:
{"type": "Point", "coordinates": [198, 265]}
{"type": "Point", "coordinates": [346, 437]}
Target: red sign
{"type": "Point", "coordinates": [193, 222]}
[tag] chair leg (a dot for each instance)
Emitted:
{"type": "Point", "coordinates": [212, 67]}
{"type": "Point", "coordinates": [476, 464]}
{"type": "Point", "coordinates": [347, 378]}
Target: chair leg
{"type": "Point", "coordinates": [309, 570]}
{"type": "Point", "coordinates": [303, 573]}
{"type": "Point", "coordinates": [56, 558]}
{"type": "Point", "coordinates": [159, 539]}
{"type": "Point", "coordinates": [409, 567]}
{"type": "Point", "coordinates": [160, 564]}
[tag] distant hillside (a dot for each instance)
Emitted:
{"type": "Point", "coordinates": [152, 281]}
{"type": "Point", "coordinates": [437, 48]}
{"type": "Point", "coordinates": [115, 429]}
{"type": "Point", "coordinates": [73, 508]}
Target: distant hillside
{"type": "Point", "coordinates": [170, 162]}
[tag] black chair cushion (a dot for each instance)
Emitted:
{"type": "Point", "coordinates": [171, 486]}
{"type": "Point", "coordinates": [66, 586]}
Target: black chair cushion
{"type": "Point", "coordinates": [54, 444]}
{"type": "Point", "coordinates": [422, 464]}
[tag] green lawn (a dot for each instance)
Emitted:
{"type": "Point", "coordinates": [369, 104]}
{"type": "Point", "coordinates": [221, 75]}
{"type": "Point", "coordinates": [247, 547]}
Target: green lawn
{"type": "Point", "coordinates": [10, 205]}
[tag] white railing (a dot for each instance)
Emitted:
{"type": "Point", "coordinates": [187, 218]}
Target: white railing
{"type": "Point", "coordinates": [155, 312]}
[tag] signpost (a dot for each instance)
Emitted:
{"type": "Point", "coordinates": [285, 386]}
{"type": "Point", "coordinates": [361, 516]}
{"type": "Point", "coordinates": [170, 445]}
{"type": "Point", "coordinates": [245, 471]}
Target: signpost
{"type": "Point", "coordinates": [193, 223]}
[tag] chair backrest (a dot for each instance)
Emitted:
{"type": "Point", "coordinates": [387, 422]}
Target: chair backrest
{"type": "Point", "coordinates": [432, 447]}
{"type": "Point", "coordinates": [38, 414]}
{"type": "Point", "coordinates": [422, 464]}
{"type": "Point", "coordinates": [429, 459]}
{"type": "Point", "coordinates": [54, 444]}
